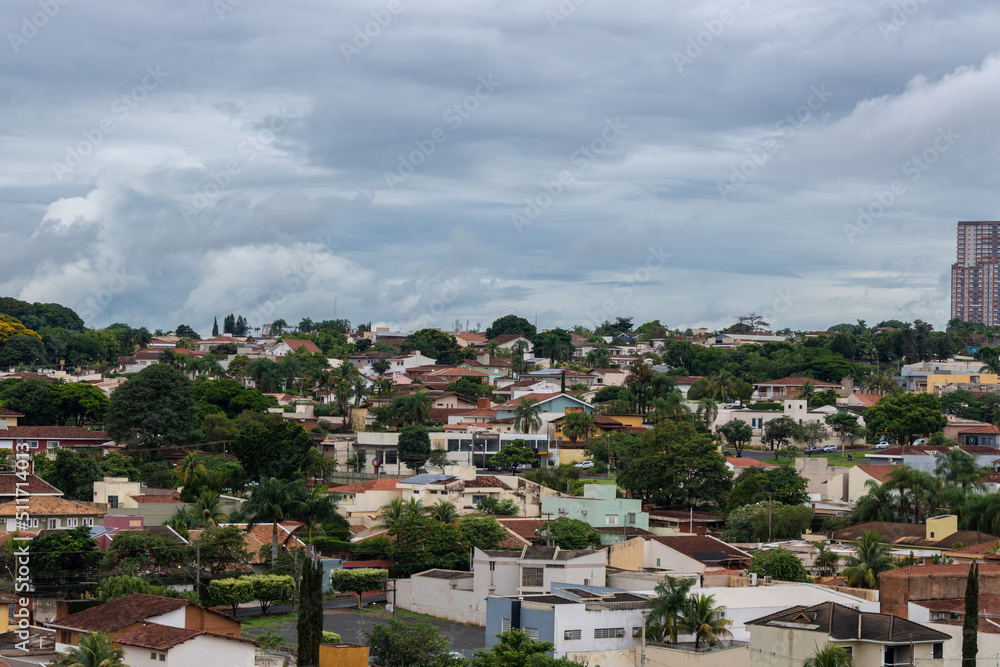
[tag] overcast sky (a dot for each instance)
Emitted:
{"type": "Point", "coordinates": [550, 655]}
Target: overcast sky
{"type": "Point", "coordinates": [424, 161]}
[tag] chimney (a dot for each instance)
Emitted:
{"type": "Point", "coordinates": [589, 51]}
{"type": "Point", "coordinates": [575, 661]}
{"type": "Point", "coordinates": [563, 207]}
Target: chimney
{"type": "Point", "coordinates": [483, 404]}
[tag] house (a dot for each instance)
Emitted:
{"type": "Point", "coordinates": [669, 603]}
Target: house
{"type": "Point", "coordinates": [123, 616]}
{"type": "Point", "coordinates": [259, 537]}
{"type": "Point", "coordinates": [785, 388]}
{"type": "Point", "coordinates": [685, 382]}
{"type": "Point", "coordinates": [900, 588]}
{"type": "Point", "coordinates": [508, 341]}
{"type": "Point", "coordinates": [692, 554]}
{"type": "Point", "coordinates": [673, 522]}
{"type": "Point", "coordinates": [552, 406]}
{"type": "Point", "coordinates": [930, 375]}
{"type": "Point", "coordinates": [971, 432]}
{"type": "Point", "coordinates": [599, 507]}
{"type": "Point", "coordinates": [852, 483]}
{"type": "Point", "coordinates": [8, 418]}
{"type": "Point", "coordinates": [789, 637]}
{"type": "Point", "coordinates": [602, 425]}
{"type": "Point", "coordinates": [862, 401]}
{"type": "Point", "coordinates": [470, 339]}
{"type": "Point", "coordinates": [578, 620]}
{"type": "Point", "coordinates": [181, 647]}
{"type": "Point", "coordinates": [42, 438]}
{"type": "Point", "coordinates": [289, 345]}
{"type": "Point", "coordinates": [12, 485]}
{"type": "Point", "coordinates": [797, 410]}
{"type": "Point", "coordinates": [737, 464]}
{"type": "Point", "coordinates": [209, 344]}
{"type": "Point", "coordinates": [453, 400]}
{"type": "Point", "coordinates": [938, 534]}
{"type": "Point", "coordinates": [609, 377]}
{"type": "Point", "coordinates": [49, 512]}
{"type": "Point", "coordinates": [924, 457]}
{"type": "Point", "coordinates": [368, 497]}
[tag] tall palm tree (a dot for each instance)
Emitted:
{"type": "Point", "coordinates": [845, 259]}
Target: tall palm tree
{"type": "Point", "coordinates": [872, 559]}
{"type": "Point", "coordinates": [190, 468]}
{"type": "Point", "coordinates": [806, 391]}
{"type": "Point", "coordinates": [705, 621]}
{"type": "Point", "coordinates": [418, 409]}
{"type": "Point", "coordinates": [919, 492]}
{"type": "Point", "coordinates": [880, 503]}
{"type": "Point", "coordinates": [708, 410]}
{"type": "Point", "coordinates": [826, 560]}
{"type": "Point", "coordinates": [95, 650]}
{"type": "Point", "coordinates": [668, 608]}
{"type": "Point", "coordinates": [517, 352]}
{"type": "Point", "coordinates": [981, 512]}
{"type": "Point", "coordinates": [414, 507]}
{"type": "Point", "coordinates": [991, 360]}
{"type": "Point", "coordinates": [207, 510]}
{"type": "Point", "coordinates": [527, 416]}
{"type": "Point", "coordinates": [391, 515]}
{"type": "Point", "coordinates": [272, 501]}
{"type": "Point", "coordinates": [830, 655]}
{"type": "Point", "coordinates": [278, 326]}
{"type": "Point", "coordinates": [958, 467]}
{"type": "Point", "coordinates": [143, 338]}
{"type": "Point", "coordinates": [360, 390]}
{"type": "Point", "coordinates": [640, 376]}
{"type": "Point", "coordinates": [317, 508]}
{"type": "Point", "coordinates": [444, 512]}
{"type": "Point", "coordinates": [578, 425]}
{"type": "Point", "coordinates": [722, 386]}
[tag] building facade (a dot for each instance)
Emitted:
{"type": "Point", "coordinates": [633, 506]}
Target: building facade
{"type": "Point", "coordinates": [975, 275]}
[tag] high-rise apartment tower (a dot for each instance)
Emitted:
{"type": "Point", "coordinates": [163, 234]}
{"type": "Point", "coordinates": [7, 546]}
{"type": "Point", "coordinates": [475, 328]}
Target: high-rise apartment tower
{"type": "Point", "coordinates": [975, 276]}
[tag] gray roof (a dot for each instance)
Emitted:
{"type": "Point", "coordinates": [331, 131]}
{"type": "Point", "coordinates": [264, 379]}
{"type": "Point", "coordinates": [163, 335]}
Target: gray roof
{"type": "Point", "coordinates": [846, 624]}
{"type": "Point", "coordinates": [428, 479]}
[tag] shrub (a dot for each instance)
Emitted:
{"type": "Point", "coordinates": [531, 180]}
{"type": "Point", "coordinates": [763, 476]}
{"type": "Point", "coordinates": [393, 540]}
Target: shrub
{"type": "Point", "coordinates": [599, 468]}
{"type": "Point", "coordinates": [765, 405]}
{"type": "Point", "coordinates": [330, 637]}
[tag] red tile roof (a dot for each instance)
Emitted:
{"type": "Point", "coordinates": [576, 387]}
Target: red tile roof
{"type": "Point", "coordinates": [796, 382]}
{"type": "Point", "coordinates": [456, 371]}
{"type": "Point", "coordinates": [157, 637]}
{"type": "Point", "coordinates": [506, 338]}
{"type": "Point", "coordinates": [746, 462]}
{"type": "Point", "coordinates": [701, 547]}
{"type": "Point", "coordinates": [868, 399]}
{"type": "Point", "coordinates": [39, 506]}
{"type": "Point", "coordinates": [537, 398]}
{"type": "Point", "coordinates": [878, 472]}
{"type": "Point", "coordinates": [486, 482]}
{"type": "Point", "coordinates": [523, 528]}
{"type": "Point", "coordinates": [980, 428]}
{"type": "Point", "coordinates": [471, 337]}
{"type": "Point", "coordinates": [54, 433]}
{"type": "Point", "coordinates": [121, 612]}
{"type": "Point", "coordinates": [4, 412]}
{"type": "Point", "coordinates": [977, 549]}
{"type": "Point", "coordinates": [36, 486]}
{"type": "Point", "coordinates": [155, 499]}
{"type": "Point", "coordinates": [296, 343]}
{"type": "Point", "coordinates": [369, 485]}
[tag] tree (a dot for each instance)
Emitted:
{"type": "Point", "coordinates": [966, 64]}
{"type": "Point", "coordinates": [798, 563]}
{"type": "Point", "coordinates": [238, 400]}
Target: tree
{"type": "Point", "coordinates": [184, 331]}
{"type": "Point", "coordinates": [272, 449]}
{"type": "Point", "coordinates": [970, 622]}
{"type": "Point", "coordinates": [270, 588]}
{"type": "Point", "coordinates": [438, 459]}
{"type": "Point", "coordinates": [705, 621]}
{"type": "Point", "coordinates": [208, 509]}
{"type": "Point", "coordinates": [527, 416]}
{"type": "Point", "coordinates": [64, 560]}
{"type": "Point", "coordinates": [437, 345]}
{"type": "Point", "coordinates": [779, 432]}
{"type": "Point", "coordinates": [95, 650]}
{"type": "Point", "coordinates": [444, 511]}
{"type": "Point", "coordinates": [779, 564]}
{"type": "Point", "coordinates": [782, 484]}
{"type": "Point", "coordinates": [830, 655]}
{"type": "Point", "coordinates": [826, 561]}
{"type": "Point", "coordinates": [957, 467]}
{"type": "Point", "coordinates": [79, 402]}
{"type": "Point", "coordinates": [505, 507]}
{"type": "Point", "coordinates": [317, 507]}
{"type": "Point", "coordinates": [358, 580]}
{"type": "Point", "coordinates": [845, 426]}
{"type": "Point", "coordinates": [675, 466]}
{"type": "Point", "coordinates": [154, 407]}
{"type": "Point", "coordinates": [872, 559]}
{"type": "Point", "coordinates": [513, 455]}
{"type": "Point", "coordinates": [569, 533]}
{"type": "Point", "coordinates": [222, 549]}
{"type": "Point", "coordinates": [737, 433]}
{"type": "Point", "coordinates": [667, 609]}
{"type": "Point", "coordinates": [232, 592]}
{"type": "Point", "coordinates": [74, 474]}
{"type": "Point", "coordinates": [414, 446]}
{"type": "Point", "coordinates": [578, 425]}
{"type": "Point", "coordinates": [410, 643]}
{"type": "Point", "coordinates": [511, 324]}
{"type": "Point", "coordinates": [517, 649]}
{"type": "Point", "coordinates": [556, 345]}
{"type": "Point", "coordinates": [765, 521]}
{"type": "Point", "coordinates": [272, 501]}
{"type": "Point", "coordinates": [134, 551]}
{"type": "Point", "coordinates": [722, 386]}
{"type": "Point", "coordinates": [906, 416]}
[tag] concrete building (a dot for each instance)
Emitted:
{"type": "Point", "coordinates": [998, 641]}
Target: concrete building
{"type": "Point", "coordinates": [975, 275]}
{"type": "Point", "coordinates": [600, 507]}
{"type": "Point", "coordinates": [903, 587]}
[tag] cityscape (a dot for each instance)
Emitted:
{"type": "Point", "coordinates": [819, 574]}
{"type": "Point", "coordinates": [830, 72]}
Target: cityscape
{"type": "Point", "coordinates": [543, 334]}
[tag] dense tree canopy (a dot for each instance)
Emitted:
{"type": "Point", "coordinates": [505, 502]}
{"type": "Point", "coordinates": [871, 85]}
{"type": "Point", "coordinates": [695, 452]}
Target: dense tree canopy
{"type": "Point", "coordinates": [906, 416]}
{"type": "Point", "coordinates": [511, 324]}
{"type": "Point", "coordinates": [152, 408]}
{"type": "Point", "coordinates": [273, 449]}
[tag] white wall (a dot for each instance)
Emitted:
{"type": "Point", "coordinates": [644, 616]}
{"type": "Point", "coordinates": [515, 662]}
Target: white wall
{"type": "Point", "coordinates": [576, 617]}
{"type": "Point", "coordinates": [174, 619]}
{"type": "Point", "coordinates": [202, 650]}
{"type": "Point", "coordinates": [669, 559]}
{"type": "Point", "coordinates": [436, 597]}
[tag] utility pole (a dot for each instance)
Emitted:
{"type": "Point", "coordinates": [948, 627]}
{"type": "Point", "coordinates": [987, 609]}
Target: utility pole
{"type": "Point", "coordinates": [768, 516]}
{"type": "Point", "coordinates": [197, 566]}
{"type": "Point", "coordinates": [691, 520]}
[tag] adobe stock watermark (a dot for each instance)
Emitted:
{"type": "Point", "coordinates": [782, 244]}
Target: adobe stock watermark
{"type": "Point", "coordinates": [915, 168]}
{"type": "Point", "coordinates": [626, 288]}
{"type": "Point", "coordinates": [704, 39]}
{"type": "Point", "coordinates": [455, 116]}
{"type": "Point", "coordinates": [121, 108]}
{"type": "Point", "coordinates": [97, 303]}
{"type": "Point", "coordinates": [779, 306]}
{"type": "Point", "coordinates": [562, 13]}
{"type": "Point", "coordinates": [21, 556]}
{"type": "Point", "coordinates": [902, 11]}
{"type": "Point", "coordinates": [363, 35]}
{"type": "Point", "coordinates": [759, 155]}
{"type": "Point", "coordinates": [31, 25]}
{"type": "Point", "coordinates": [449, 292]}
{"type": "Point", "coordinates": [294, 277]}
{"type": "Point", "coordinates": [220, 179]}
{"type": "Point", "coordinates": [581, 160]}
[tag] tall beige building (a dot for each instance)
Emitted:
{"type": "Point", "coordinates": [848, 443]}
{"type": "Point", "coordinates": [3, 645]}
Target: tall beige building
{"type": "Point", "coordinates": [975, 276]}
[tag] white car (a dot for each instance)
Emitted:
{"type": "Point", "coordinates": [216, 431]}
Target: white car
{"type": "Point", "coordinates": [882, 445]}
{"type": "Point", "coordinates": [919, 442]}
{"type": "Point", "coordinates": [584, 465]}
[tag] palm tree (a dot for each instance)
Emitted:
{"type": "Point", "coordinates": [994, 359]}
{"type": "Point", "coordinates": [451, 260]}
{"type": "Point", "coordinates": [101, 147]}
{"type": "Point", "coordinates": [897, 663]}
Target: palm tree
{"type": "Point", "coordinates": [722, 386]}
{"type": "Point", "coordinates": [444, 512]}
{"type": "Point", "coordinates": [708, 410]}
{"type": "Point", "coordinates": [272, 501]}
{"type": "Point", "coordinates": [919, 492]}
{"type": "Point", "coordinates": [278, 326]}
{"type": "Point", "coordinates": [981, 512]}
{"type": "Point", "coordinates": [190, 468]}
{"type": "Point", "coordinates": [668, 607]}
{"type": "Point", "coordinates": [517, 352]}
{"type": "Point", "coordinates": [527, 416]}
{"type": "Point", "coordinates": [143, 338]}
{"type": "Point", "coordinates": [830, 655]}
{"type": "Point", "coordinates": [413, 507]}
{"type": "Point", "coordinates": [958, 467]}
{"type": "Point", "coordinates": [640, 376]}
{"type": "Point", "coordinates": [391, 515]}
{"type": "Point", "coordinates": [360, 390]}
{"type": "Point", "coordinates": [578, 425]}
{"type": "Point", "coordinates": [418, 409]}
{"type": "Point", "coordinates": [95, 650]}
{"type": "Point", "coordinates": [207, 510]}
{"type": "Point", "coordinates": [807, 390]}
{"type": "Point", "coordinates": [872, 559]}
{"type": "Point", "coordinates": [826, 560]}
{"type": "Point", "coordinates": [705, 621]}
{"type": "Point", "coordinates": [881, 503]}
{"type": "Point", "coordinates": [317, 508]}
{"type": "Point", "coordinates": [991, 360]}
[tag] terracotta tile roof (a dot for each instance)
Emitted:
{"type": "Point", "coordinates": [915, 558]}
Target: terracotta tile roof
{"type": "Point", "coordinates": [796, 382]}
{"type": "Point", "coordinates": [747, 462]}
{"type": "Point", "coordinates": [927, 570]}
{"type": "Point", "coordinates": [503, 363]}
{"type": "Point", "coordinates": [523, 528]}
{"type": "Point", "coordinates": [471, 337]}
{"type": "Point", "coordinates": [157, 637]}
{"type": "Point", "coordinates": [977, 549]}
{"type": "Point", "coordinates": [506, 338]}
{"type": "Point", "coordinates": [4, 412]}
{"type": "Point", "coordinates": [455, 371]}
{"type": "Point", "coordinates": [369, 485]}
{"type": "Point", "coordinates": [50, 506]}
{"type": "Point", "coordinates": [980, 450]}
{"type": "Point", "coordinates": [486, 482]}
{"type": "Point", "coordinates": [121, 612]}
{"type": "Point", "coordinates": [296, 343]}
{"type": "Point", "coordinates": [484, 412]}
{"type": "Point", "coordinates": [36, 485]}
{"type": "Point", "coordinates": [54, 433]}
{"type": "Point", "coordinates": [702, 548]}
{"type": "Point", "coordinates": [878, 472]}
{"type": "Point", "coordinates": [441, 414]}
{"type": "Point", "coordinates": [867, 399]}
{"type": "Point", "coordinates": [152, 500]}
{"type": "Point", "coordinates": [685, 514]}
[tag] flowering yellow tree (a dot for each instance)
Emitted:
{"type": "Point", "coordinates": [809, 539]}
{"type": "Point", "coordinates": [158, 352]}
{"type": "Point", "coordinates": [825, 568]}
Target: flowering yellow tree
{"type": "Point", "coordinates": [11, 326]}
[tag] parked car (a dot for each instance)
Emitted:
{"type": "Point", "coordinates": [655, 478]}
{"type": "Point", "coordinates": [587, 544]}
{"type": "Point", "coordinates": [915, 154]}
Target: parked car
{"type": "Point", "coordinates": [831, 449]}
{"type": "Point", "coordinates": [728, 452]}
{"type": "Point", "coordinates": [919, 441]}
{"type": "Point", "coordinates": [882, 445]}
{"type": "Point", "coordinates": [584, 465]}
{"type": "Point", "coordinates": [812, 449]}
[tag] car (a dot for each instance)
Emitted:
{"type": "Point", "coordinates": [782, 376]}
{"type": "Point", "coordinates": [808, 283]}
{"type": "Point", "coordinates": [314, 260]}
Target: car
{"type": "Point", "coordinates": [728, 452]}
{"type": "Point", "coordinates": [812, 449]}
{"type": "Point", "coordinates": [831, 449]}
{"type": "Point", "coordinates": [584, 465]}
{"type": "Point", "coordinates": [919, 442]}
{"type": "Point", "coordinates": [882, 445]}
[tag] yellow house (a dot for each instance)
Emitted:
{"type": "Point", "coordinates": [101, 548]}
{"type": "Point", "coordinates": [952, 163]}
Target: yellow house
{"type": "Point", "coordinates": [603, 424]}
{"type": "Point", "coordinates": [936, 381]}
{"type": "Point", "coordinates": [8, 418]}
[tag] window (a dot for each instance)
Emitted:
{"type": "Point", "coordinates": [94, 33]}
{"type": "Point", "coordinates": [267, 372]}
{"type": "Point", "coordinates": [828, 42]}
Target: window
{"type": "Point", "coordinates": [557, 566]}
{"type": "Point", "coordinates": [637, 632]}
{"type": "Point", "coordinates": [65, 637]}
{"type": "Point", "coordinates": [609, 633]}
{"type": "Point", "coordinates": [391, 457]}
{"type": "Point", "coordinates": [630, 519]}
{"type": "Point", "coordinates": [152, 656]}
{"type": "Point", "coordinates": [53, 524]}
{"type": "Point", "coordinates": [532, 576]}
{"type": "Point", "coordinates": [163, 657]}
{"type": "Point", "coordinates": [505, 625]}
{"type": "Point", "coordinates": [937, 651]}
{"type": "Point", "coordinates": [88, 522]}
{"type": "Point", "coordinates": [32, 444]}
{"type": "Point", "coordinates": [531, 632]}
{"type": "Point", "coordinates": [112, 501]}
{"type": "Point", "coordinates": [477, 499]}
{"type": "Point", "coordinates": [34, 523]}
{"type": "Point", "coordinates": [453, 445]}
{"type": "Point", "coordinates": [53, 444]}
{"type": "Point", "coordinates": [72, 523]}
{"type": "Point", "coordinates": [657, 562]}
{"type": "Point", "coordinates": [571, 635]}
{"type": "Point", "coordinates": [890, 655]}
{"type": "Point", "coordinates": [849, 650]}
{"type": "Point", "coordinates": [416, 492]}
{"type": "Point", "coordinates": [610, 519]}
